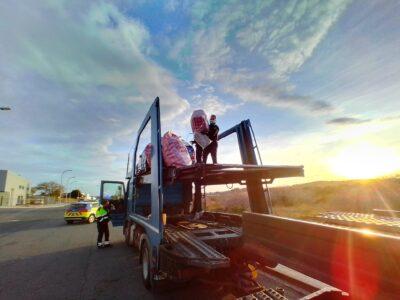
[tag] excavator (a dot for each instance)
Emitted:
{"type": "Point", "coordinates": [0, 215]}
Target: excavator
{"type": "Point", "coordinates": [253, 255]}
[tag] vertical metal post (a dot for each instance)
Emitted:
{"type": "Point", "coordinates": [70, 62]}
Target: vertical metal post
{"type": "Point", "coordinates": [197, 207]}
{"type": "Point", "coordinates": [255, 189]}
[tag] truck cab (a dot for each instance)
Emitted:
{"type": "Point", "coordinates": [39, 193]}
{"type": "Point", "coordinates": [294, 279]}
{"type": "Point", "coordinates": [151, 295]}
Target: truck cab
{"type": "Point", "coordinates": [162, 213]}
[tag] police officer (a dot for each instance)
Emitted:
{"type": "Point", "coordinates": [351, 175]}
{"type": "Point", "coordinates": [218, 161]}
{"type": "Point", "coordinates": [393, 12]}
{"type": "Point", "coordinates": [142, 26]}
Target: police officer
{"type": "Point", "coordinates": [103, 217]}
{"type": "Point", "coordinates": [213, 136]}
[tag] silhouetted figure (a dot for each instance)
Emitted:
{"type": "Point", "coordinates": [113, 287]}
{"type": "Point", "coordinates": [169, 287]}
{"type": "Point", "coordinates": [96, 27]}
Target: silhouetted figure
{"type": "Point", "coordinates": [213, 136]}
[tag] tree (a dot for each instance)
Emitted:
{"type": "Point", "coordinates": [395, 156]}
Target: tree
{"type": "Point", "coordinates": [50, 188]}
{"type": "Point", "coordinates": [33, 190]}
{"type": "Point", "coordinates": [75, 194]}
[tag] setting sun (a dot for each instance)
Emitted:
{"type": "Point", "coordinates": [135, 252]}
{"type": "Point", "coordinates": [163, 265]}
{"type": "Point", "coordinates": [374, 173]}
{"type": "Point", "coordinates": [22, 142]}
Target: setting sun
{"type": "Point", "coordinates": [364, 161]}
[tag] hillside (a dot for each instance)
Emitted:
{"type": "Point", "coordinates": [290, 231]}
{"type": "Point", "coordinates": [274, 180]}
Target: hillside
{"type": "Point", "coordinates": [305, 200]}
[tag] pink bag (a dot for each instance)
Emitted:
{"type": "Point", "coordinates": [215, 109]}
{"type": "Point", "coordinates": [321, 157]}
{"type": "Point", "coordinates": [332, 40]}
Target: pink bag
{"type": "Point", "coordinates": [190, 149]}
{"type": "Point", "coordinates": [199, 121]}
{"type": "Point", "coordinates": [174, 151]}
{"type": "Point", "coordinates": [147, 153]}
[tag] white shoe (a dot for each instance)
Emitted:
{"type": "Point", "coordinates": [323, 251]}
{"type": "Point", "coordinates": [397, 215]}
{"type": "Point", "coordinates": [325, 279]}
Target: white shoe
{"type": "Point", "coordinates": [100, 245]}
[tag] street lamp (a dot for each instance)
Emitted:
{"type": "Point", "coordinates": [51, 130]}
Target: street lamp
{"type": "Point", "coordinates": [69, 178]}
{"type": "Point", "coordinates": [62, 174]}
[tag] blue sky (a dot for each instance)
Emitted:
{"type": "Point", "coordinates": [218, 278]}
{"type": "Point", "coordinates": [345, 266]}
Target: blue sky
{"type": "Point", "coordinates": [315, 77]}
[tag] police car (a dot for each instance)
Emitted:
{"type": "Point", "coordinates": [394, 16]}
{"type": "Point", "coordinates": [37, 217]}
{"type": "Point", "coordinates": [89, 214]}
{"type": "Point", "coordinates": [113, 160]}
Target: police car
{"type": "Point", "coordinates": [81, 211]}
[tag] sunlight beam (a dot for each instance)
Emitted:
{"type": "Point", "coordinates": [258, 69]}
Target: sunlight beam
{"type": "Point", "coordinates": [363, 161]}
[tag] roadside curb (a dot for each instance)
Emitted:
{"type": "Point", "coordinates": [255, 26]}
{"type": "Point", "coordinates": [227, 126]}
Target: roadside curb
{"type": "Point", "coordinates": [35, 207]}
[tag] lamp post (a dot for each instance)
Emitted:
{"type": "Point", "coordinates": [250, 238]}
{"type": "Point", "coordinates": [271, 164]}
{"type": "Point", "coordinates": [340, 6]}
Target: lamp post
{"type": "Point", "coordinates": [62, 187]}
{"type": "Point", "coordinates": [69, 178]}
{"type": "Point", "coordinates": [71, 183]}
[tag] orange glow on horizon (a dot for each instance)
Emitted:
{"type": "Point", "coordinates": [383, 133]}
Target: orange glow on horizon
{"type": "Point", "coordinates": [364, 161]}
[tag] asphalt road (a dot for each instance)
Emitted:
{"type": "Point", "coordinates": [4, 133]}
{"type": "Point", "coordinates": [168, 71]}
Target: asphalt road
{"type": "Point", "coordinates": [41, 257]}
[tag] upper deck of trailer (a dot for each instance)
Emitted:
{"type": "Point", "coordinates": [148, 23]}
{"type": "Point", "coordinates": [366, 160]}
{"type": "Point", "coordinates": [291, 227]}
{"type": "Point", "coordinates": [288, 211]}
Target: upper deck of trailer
{"type": "Point", "coordinates": [213, 174]}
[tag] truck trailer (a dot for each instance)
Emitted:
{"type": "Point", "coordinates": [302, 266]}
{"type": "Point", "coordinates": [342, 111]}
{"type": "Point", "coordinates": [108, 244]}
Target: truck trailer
{"type": "Point", "coordinates": [255, 255]}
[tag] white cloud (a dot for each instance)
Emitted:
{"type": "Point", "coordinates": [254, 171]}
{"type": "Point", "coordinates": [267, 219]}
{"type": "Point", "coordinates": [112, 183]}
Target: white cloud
{"type": "Point", "coordinates": [274, 36]}
{"type": "Point", "coordinates": [212, 104]}
{"type": "Point", "coordinates": [286, 39]}
{"type": "Point", "coordinates": [79, 81]}
{"type": "Point", "coordinates": [252, 87]}
{"type": "Point", "coordinates": [102, 47]}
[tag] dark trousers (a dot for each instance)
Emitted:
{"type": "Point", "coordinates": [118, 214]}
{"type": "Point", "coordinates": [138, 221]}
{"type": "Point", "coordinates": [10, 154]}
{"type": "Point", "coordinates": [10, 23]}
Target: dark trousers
{"type": "Point", "coordinates": [102, 229]}
{"type": "Point", "coordinates": [199, 153]}
{"type": "Point", "coordinates": [212, 148]}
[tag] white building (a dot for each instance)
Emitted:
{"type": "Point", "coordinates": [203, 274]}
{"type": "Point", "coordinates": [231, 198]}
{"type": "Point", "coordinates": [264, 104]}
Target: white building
{"type": "Point", "coordinates": [13, 188]}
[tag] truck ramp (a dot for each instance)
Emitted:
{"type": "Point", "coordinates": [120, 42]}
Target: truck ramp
{"type": "Point", "coordinates": [362, 263]}
{"type": "Point", "coordinates": [185, 248]}
{"type": "Point", "coordinates": [374, 222]}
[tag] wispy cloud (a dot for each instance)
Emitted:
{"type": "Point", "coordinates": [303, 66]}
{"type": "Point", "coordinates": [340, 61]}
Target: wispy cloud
{"type": "Point", "coordinates": [254, 88]}
{"type": "Point", "coordinates": [347, 121]}
{"type": "Point", "coordinates": [286, 34]}
{"type": "Point", "coordinates": [280, 36]}
{"type": "Point", "coordinates": [213, 104]}
{"type": "Point", "coordinates": [79, 77]}
{"type": "Point", "coordinates": [79, 80]}
{"type": "Point", "coordinates": [353, 121]}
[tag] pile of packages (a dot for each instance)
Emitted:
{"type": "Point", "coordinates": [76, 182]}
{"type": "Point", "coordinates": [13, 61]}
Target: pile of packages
{"type": "Point", "coordinates": [176, 151]}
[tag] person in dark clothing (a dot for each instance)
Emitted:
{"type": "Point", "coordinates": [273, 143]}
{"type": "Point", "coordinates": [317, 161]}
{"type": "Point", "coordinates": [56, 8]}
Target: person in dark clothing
{"type": "Point", "coordinates": [199, 153]}
{"type": "Point", "coordinates": [199, 149]}
{"type": "Point", "coordinates": [103, 217]}
{"type": "Point", "coordinates": [213, 136]}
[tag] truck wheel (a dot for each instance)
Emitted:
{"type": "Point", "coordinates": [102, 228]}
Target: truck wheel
{"type": "Point", "coordinates": [91, 219]}
{"type": "Point", "coordinates": [146, 264]}
{"type": "Point", "coordinates": [69, 221]}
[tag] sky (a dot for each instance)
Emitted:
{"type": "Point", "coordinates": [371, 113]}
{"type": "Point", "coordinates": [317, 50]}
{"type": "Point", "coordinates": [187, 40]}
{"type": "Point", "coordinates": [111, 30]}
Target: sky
{"type": "Point", "coordinates": [319, 81]}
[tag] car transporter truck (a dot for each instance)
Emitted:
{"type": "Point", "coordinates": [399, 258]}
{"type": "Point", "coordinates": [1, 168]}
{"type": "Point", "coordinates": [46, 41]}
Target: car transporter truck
{"type": "Point", "coordinates": [255, 255]}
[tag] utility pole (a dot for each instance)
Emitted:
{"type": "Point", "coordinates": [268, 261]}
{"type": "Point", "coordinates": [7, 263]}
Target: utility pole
{"type": "Point", "coordinates": [62, 187]}
{"type": "Point", "coordinates": [69, 178]}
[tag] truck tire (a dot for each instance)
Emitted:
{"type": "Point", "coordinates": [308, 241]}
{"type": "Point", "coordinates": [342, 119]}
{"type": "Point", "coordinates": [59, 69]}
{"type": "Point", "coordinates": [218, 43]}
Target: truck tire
{"type": "Point", "coordinates": [69, 221]}
{"type": "Point", "coordinates": [145, 260]}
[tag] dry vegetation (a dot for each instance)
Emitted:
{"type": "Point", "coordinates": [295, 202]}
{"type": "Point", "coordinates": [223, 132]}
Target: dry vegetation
{"type": "Point", "coordinates": [306, 200]}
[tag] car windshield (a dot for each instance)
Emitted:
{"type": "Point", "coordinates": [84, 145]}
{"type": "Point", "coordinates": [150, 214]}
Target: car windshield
{"type": "Point", "coordinates": [79, 205]}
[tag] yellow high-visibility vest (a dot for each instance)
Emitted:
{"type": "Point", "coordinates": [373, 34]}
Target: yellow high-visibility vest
{"type": "Point", "coordinates": [101, 211]}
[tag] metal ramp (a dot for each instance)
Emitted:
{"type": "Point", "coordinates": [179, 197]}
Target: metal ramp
{"type": "Point", "coordinates": [375, 222]}
{"type": "Point", "coordinates": [186, 248]}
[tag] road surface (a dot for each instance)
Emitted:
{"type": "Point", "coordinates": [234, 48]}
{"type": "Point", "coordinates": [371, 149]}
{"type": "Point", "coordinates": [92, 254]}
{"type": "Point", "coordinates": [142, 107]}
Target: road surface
{"type": "Point", "coordinates": [41, 257]}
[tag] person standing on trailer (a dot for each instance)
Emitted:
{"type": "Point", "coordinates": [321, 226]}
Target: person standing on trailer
{"type": "Point", "coordinates": [213, 136]}
{"type": "Point", "coordinates": [199, 124]}
{"type": "Point", "coordinates": [103, 217]}
{"type": "Point", "coordinates": [199, 152]}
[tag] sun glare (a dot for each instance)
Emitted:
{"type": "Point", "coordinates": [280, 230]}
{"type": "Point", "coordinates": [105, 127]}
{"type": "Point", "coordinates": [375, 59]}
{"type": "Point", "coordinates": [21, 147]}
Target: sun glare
{"type": "Point", "coordinates": [367, 231]}
{"type": "Point", "coordinates": [363, 161]}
